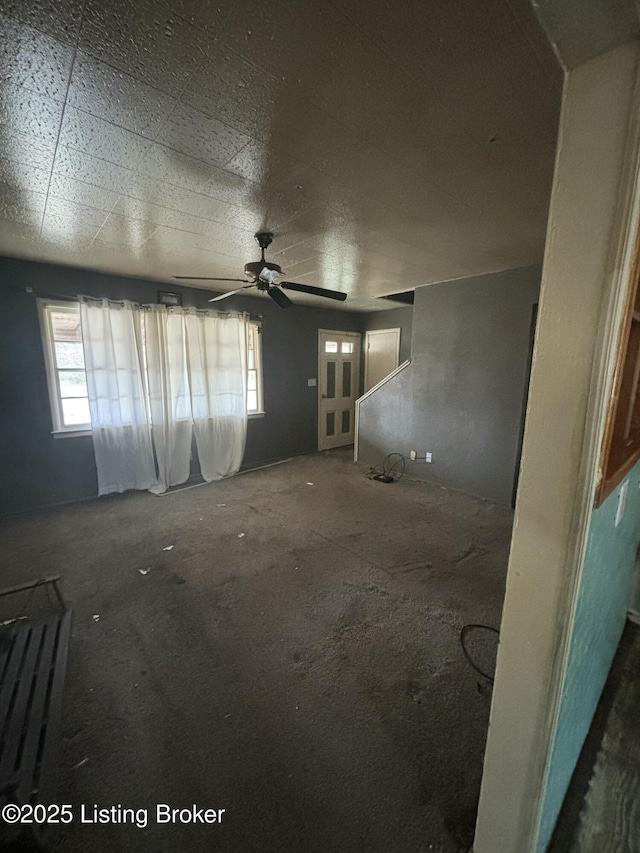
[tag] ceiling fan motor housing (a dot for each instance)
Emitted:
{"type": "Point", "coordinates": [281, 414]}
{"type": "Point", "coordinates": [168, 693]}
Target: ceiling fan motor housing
{"type": "Point", "coordinates": [252, 271]}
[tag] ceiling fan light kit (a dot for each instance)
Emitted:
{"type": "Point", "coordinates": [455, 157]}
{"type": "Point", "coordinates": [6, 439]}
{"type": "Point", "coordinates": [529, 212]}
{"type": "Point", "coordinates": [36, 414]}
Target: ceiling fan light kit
{"type": "Point", "coordinates": [265, 276]}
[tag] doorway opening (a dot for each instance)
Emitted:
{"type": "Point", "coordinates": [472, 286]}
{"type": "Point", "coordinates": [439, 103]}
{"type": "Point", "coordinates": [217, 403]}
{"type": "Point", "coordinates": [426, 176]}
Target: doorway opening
{"type": "Point", "coordinates": [381, 355]}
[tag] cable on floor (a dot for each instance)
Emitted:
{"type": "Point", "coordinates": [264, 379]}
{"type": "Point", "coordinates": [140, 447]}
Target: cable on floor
{"type": "Point", "coordinates": [463, 634]}
{"type": "Point", "coordinates": [389, 472]}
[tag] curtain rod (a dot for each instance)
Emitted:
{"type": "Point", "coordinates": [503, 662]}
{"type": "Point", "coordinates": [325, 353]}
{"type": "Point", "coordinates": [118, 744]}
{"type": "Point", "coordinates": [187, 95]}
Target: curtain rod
{"type": "Point", "coordinates": [110, 301]}
{"type": "Point", "coordinates": [33, 292]}
{"type": "Point", "coordinates": [64, 297]}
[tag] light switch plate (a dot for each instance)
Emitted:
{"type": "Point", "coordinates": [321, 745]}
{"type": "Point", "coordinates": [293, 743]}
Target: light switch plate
{"type": "Point", "coordinates": [311, 383]}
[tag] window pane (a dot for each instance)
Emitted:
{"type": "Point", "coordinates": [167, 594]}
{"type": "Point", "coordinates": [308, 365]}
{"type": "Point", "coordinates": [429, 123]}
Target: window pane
{"type": "Point", "coordinates": [331, 423]}
{"type": "Point", "coordinates": [331, 379]}
{"type": "Point", "coordinates": [251, 355]}
{"type": "Point", "coordinates": [346, 421]}
{"type": "Point", "coordinates": [66, 326]}
{"type": "Point", "coordinates": [75, 412]}
{"type": "Point", "coordinates": [346, 378]}
{"type": "Point", "coordinates": [73, 383]}
{"type": "Point", "coordinates": [69, 355]}
{"type": "Point", "coordinates": [254, 404]}
{"type": "Point", "coordinates": [347, 347]}
{"type": "Point", "coordinates": [331, 346]}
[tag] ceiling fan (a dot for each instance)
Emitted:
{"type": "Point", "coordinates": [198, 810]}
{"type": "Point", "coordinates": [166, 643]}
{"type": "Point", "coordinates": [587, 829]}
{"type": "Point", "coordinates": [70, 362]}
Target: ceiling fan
{"type": "Point", "coordinates": [266, 277]}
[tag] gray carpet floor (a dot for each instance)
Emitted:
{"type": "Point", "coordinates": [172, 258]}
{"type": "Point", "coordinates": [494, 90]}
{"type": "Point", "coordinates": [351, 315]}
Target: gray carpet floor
{"type": "Point", "coordinates": [283, 645]}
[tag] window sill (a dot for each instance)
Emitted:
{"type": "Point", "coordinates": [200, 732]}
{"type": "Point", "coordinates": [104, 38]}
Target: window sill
{"type": "Point", "coordinates": [73, 433]}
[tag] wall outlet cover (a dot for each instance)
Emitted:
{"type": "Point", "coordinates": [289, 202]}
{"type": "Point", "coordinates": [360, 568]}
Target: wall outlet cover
{"type": "Point", "coordinates": [428, 457]}
{"type": "Point", "coordinates": [311, 383]}
{"type": "Point", "coordinates": [412, 455]}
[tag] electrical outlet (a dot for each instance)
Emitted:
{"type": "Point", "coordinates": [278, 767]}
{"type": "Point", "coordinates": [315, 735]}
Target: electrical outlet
{"type": "Point", "coordinates": [412, 456]}
{"type": "Point", "coordinates": [427, 457]}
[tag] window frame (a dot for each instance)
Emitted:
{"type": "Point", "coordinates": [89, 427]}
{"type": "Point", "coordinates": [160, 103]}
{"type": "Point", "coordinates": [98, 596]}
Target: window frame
{"type": "Point", "coordinates": [59, 430]}
{"type": "Point", "coordinates": [45, 306]}
{"type": "Point", "coordinates": [620, 449]}
{"type": "Point", "coordinates": [257, 355]}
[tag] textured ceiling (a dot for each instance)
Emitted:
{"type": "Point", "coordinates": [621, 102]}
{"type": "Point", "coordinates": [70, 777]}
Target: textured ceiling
{"type": "Point", "coordinates": [387, 145]}
{"type": "Point", "coordinates": [582, 29]}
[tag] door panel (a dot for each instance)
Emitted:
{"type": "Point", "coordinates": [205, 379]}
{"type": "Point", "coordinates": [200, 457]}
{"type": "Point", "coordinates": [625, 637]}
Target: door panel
{"type": "Point", "coordinates": [382, 353]}
{"type": "Point", "coordinates": [338, 372]}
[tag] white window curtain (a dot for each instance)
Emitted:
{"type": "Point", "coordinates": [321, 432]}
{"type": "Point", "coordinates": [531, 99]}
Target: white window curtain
{"type": "Point", "coordinates": [155, 377]}
{"type": "Point", "coordinates": [217, 358]}
{"type": "Point", "coordinates": [113, 353]}
{"type": "Point", "coordinates": [169, 394]}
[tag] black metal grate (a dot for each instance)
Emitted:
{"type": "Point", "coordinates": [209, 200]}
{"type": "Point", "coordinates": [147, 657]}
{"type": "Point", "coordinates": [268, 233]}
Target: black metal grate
{"type": "Point", "coordinates": [32, 667]}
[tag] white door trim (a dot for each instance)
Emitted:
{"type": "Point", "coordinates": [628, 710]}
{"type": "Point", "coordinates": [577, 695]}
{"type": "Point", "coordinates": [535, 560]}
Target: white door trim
{"type": "Point", "coordinates": [622, 254]}
{"type": "Point", "coordinates": [356, 337]}
{"type": "Point", "coordinates": [585, 280]}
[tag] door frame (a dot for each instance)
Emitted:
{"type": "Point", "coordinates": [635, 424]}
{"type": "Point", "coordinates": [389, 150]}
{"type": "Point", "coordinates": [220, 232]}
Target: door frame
{"type": "Point", "coordinates": [357, 336]}
{"type": "Point", "coordinates": [588, 258]}
{"type": "Point", "coordinates": [370, 333]}
{"type": "Point", "coordinates": [525, 400]}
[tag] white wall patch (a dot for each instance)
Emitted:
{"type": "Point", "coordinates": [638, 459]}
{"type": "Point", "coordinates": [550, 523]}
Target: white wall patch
{"type": "Point", "coordinates": [622, 501]}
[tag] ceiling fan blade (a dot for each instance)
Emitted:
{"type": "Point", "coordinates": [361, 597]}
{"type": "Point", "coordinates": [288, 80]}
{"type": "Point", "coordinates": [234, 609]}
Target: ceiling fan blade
{"type": "Point", "coordinates": [207, 278]}
{"type": "Point", "coordinates": [279, 297]}
{"type": "Point", "coordinates": [231, 293]}
{"type": "Point", "coordinates": [315, 291]}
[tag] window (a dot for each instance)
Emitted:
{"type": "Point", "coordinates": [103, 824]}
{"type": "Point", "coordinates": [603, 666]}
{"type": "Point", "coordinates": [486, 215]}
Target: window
{"type": "Point", "coordinates": [64, 359]}
{"type": "Point", "coordinates": [345, 346]}
{"type": "Point", "coordinates": [255, 404]}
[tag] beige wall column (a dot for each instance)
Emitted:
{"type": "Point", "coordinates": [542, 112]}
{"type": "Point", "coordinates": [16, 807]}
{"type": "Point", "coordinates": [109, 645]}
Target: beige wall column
{"type": "Point", "coordinates": [559, 460]}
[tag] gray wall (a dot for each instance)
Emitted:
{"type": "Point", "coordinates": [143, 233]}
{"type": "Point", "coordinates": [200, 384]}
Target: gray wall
{"type": "Point", "coordinates": [39, 470]}
{"type": "Point", "coordinates": [462, 396]}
